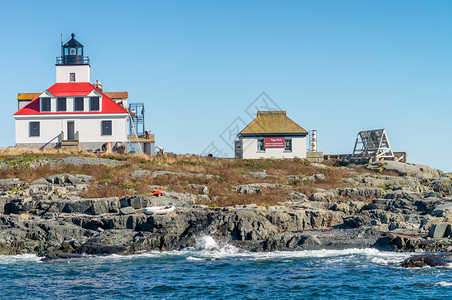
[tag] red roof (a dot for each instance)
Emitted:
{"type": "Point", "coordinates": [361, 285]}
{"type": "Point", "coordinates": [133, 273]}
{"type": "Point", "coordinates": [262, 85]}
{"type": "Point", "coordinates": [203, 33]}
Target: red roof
{"type": "Point", "coordinates": [72, 89]}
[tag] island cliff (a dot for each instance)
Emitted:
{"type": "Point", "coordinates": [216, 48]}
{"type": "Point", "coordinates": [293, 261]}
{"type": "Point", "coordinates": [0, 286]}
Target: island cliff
{"type": "Point", "coordinates": [54, 204]}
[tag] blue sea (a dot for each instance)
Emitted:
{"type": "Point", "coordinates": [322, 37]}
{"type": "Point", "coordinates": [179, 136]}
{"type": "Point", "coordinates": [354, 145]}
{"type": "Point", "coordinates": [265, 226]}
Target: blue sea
{"type": "Point", "coordinates": [213, 271]}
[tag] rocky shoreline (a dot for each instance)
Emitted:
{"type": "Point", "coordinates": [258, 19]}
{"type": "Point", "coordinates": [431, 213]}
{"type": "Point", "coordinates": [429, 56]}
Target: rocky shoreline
{"type": "Point", "coordinates": [411, 211]}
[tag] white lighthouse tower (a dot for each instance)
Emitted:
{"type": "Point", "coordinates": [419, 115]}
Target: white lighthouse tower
{"type": "Point", "coordinates": [72, 66]}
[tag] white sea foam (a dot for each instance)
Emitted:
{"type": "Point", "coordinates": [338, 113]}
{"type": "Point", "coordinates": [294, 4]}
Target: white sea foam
{"type": "Point", "coordinates": [206, 242]}
{"type": "Point", "coordinates": [11, 259]}
{"type": "Point", "coordinates": [442, 283]}
{"type": "Point", "coordinates": [194, 258]}
{"type": "Point", "coordinates": [207, 248]}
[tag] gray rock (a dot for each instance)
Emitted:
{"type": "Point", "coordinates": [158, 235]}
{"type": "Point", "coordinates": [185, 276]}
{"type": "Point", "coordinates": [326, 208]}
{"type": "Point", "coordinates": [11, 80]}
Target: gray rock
{"type": "Point", "coordinates": [297, 197]}
{"type": "Point", "coordinates": [361, 193]}
{"type": "Point", "coordinates": [75, 206]}
{"type": "Point", "coordinates": [440, 230]}
{"type": "Point", "coordinates": [311, 242]}
{"type": "Point", "coordinates": [200, 189]}
{"type": "Point", "coordinates": [325, 196]}
{"type": "Point", "coordinates": [293, 178]}
{"type": "Point", "coordinates": [204, 190]}
{"type": "Point", "coordinates": [442, 185]}
{"type": "Point", "coordinates": [443, 210]}
{"type": "Point", "coordinates": [139, 174]}
{"type": "Point", "coordinates": [58, 178]}
{"type": "Point", "coordinates": [433, 195]}
{"type": "Point", "coordinates": [127, 210]}
{"type": "Point", "coordinates": [105, 205]}
{"type": "Point", "coordinates": [156, 174]}
{"type": "Point", "coordinates": [40, 181]}
{"type": "Point", "coordinates": [321, 166]}
{"type": "Point", "coordinates": [79, 179]}
{"type": "Point", "coordinates": [315, 177]}
{"type": "Point", "coordinates": [255, 188]}
{"type": "Point", "coordinates": [256, 175]}
{"type": "Point", "coordinates": [138, 201]}
{"type": "Point", "coordinates": [10, 183]}
{"type": "Point", "coordinates": [404, 169]}
{"type": "Point", "coordinates": [350, 181]}
{"type": "Point", "coordinates": [319, 177]}
{"type": "Point", "coordinates": [78, 161]}
{"type": "Point", "coordinates": [176, 199]}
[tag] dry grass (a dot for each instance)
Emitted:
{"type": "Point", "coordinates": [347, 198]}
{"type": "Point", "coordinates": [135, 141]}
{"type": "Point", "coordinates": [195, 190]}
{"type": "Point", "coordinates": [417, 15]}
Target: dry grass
{"type": "Point", "coordinates": [116, 180]}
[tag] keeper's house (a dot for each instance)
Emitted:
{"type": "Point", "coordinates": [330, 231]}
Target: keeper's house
{"type": "Point", "coordinates": [271, 135]}
{"type": "Point", "coordinates": [72, 112]}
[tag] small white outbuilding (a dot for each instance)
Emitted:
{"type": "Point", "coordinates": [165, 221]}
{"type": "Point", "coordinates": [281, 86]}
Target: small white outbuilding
{"type": "Point", "coordinates": [271, 135]}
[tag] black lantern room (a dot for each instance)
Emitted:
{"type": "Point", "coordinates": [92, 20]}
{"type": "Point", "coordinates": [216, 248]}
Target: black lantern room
{"type": "Point", "coordinates": [72, 53]}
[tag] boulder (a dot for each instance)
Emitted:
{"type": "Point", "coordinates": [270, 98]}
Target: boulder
{"type": "Point", "coordinates": [173, 198]}
{"type": "Point", "coordinates": [442, 185]}
{"type": "Point", "coordinates": [199, 188]}
{"type": "Point", "coordinates": [255, 188]}
{"type": "Point", "coordinates": [105, 205]}
{"type": "Point", "coordinates": [443, 210]}
{"type": "Point", "coordinates": [156, 174]}
{"type": "Point", "coordinates": [427, 261]}
{"type": "Point", "coordinates": [361, 193]}
{"type": "Point", "coordinates": [139, 174]}
{"type": "Point", "coordinates": [58, 178]}
{"type": "Point", "coordinates": [127, 210]}
{"type": "Point", "coordinates": [291, 179]}
{"type": "Point", "coordinates": [440, 230]}
{"type": "Point", "coordinates": [325, 196]}
{"type": "Point", "coordinates": [75, 179]}
{"type": "Point", "coordinates": [256, 175]}
{"type": "Point", "coordinates": [320, 166]}
{"type": "Point", "coordinates": [311, 242]}
{"type": "Point", "coordinates": [74, 206]}
{"type": "Point", "coordinates": [40, 181]}
{"type": "Point", "coordinates": [10, 183]}
{"type": "Point", "coordinates": [319, 177]}
{"type": "Point", "coordinates": [78, 161]}
{"type": "Point", "coordinates": [405, 169]}
{"type": "Point", "coordinates": [295, 196]}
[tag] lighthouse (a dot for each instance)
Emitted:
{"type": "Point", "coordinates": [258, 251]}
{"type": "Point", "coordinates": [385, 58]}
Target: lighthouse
{"type": "Point", "coordinates": [72, 65]}
{"type": "Point", "coordinates": [75, 114]}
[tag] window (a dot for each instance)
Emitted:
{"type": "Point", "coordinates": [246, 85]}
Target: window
{"type": "Point", "coordinates": [61, 104]}
{"type": "Point", "coordinates": [288, 145]}
{"type": "Point", "coordinates": [72, 77]}
{"type": "Point", "coordinates": [260, 145]}
{"type": "Point", "coordinates": [94, 103]}
{"type": "Point", "coordinates": [66, 51]}
{"type": "Point", "coordinates": [34, 129]}
{"type": "Point", "coordinates": [72, 51]}
{"type": "Point", "coordinates": [45, 104]}
{"type": "Point", "coordinates": [106, 128]}
{"type": "Point", "coordinates": [79, 51]}
{"type": "Point", "coordinates": [78, 104]}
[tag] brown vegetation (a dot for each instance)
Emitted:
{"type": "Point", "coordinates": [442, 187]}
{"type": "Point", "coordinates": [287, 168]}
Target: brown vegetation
{"type": "Point", "coordinates": [116, 180]}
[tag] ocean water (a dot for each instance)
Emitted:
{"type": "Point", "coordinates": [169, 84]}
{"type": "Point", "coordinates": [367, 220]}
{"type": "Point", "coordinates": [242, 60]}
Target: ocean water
{"type": "Point", "coordinates": [212, 271]}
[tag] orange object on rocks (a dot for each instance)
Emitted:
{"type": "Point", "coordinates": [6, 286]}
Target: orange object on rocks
{"type": "Point", "coordinates": [158, 192]}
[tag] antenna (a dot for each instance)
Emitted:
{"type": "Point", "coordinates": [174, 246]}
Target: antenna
{"type": "Point", "coordinates": [61, 45]}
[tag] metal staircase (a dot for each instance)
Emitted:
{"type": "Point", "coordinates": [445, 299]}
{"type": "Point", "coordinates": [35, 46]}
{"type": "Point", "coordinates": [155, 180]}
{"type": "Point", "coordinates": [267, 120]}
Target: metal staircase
{"type": "Point", "coordinates": [136, 124]}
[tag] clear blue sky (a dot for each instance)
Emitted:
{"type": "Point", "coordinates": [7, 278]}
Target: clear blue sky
{"type": "Point", "coordinates": [335, 66]}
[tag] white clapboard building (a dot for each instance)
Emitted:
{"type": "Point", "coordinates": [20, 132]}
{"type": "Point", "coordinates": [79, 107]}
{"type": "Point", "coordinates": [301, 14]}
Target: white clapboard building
{"type": "Point", "coordinates": [271, 135]}
{"type": "Point", "coordinates": [72, 111]}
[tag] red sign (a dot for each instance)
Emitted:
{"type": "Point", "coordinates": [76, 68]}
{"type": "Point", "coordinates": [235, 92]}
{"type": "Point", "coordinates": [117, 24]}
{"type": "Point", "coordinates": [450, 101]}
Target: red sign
{"type": "Point", "coordinates": [274, 142]}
